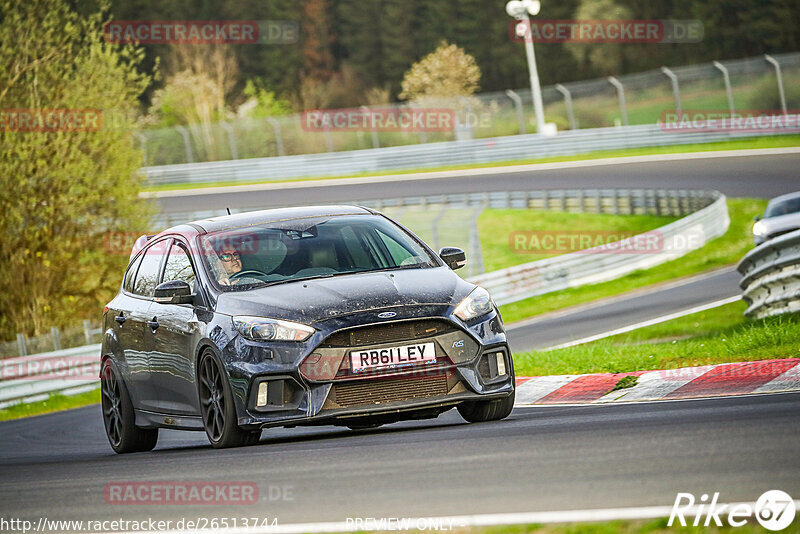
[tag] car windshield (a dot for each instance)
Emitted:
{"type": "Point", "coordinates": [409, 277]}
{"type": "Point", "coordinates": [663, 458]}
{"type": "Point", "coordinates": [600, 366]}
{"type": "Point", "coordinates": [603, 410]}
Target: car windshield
{"type": "Point", "coordinates": [783, 207]}
{"type": "Point", "coordinates": [284, 251]}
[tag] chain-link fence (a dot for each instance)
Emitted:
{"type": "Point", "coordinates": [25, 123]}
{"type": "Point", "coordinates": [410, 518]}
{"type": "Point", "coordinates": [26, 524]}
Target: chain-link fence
{"type": "Point", "coordinates": [745, 84]}
{"type": "Point", "coordinates": [57, 339]}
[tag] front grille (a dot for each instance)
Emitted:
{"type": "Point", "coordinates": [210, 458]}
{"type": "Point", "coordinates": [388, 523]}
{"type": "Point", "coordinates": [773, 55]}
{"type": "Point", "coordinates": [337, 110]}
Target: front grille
{"type": "Point", "coordinates": [381, 391]}
{"type": "Point", "coordinates": [387, 333]}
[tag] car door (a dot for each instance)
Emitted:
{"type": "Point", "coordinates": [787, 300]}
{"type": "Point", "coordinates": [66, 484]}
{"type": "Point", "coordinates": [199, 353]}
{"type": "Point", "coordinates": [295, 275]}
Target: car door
{"type": "Point", "coordinates": [174, 331]}
{"type": "Point", "coordinates": [132, 320]}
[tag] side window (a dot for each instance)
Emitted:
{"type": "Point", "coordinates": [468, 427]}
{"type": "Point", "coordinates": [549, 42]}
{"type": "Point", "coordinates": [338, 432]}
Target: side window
{"type": "Point", "coordinates": [179, 267]}
{"type": "Point", "coordinates": [360, 256]}
{"type": "Point", "coordinates": [399, 253]}
{"type": "Point", "coordinates": [147, 277]}
{"type": "Point", "coordinates": [130, 276]}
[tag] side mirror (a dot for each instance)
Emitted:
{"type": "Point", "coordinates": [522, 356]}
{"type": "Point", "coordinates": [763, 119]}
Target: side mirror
{"type": "Point", "coordinates": [173, 292]}
{"type": "Point", "coordinates": [453, 257]}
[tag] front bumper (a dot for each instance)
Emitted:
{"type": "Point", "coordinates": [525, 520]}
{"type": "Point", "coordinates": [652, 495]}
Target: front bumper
{"type": "Point", "coordinates": [318, 387]}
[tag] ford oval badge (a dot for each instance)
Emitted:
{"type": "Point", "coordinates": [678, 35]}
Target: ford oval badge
{"type": "Point", "coordinates": [386, 315]}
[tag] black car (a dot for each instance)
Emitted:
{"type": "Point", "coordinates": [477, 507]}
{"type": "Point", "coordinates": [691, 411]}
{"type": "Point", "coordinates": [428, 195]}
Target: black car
{"type": "Point", "coordinates": [298, 316]}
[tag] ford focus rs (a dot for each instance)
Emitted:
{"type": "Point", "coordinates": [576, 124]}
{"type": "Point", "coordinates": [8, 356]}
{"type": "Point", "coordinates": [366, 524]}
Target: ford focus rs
{"type": "Point", "coordinates": [298, 316]}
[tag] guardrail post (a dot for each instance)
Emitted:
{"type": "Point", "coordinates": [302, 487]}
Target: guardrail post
{"type": "Point", "coordinates": [727, 79]}
{"type": "Point", "coordinates": [573, 123]}
{"type": "Point", "coordinates": [87, 331]}
{"type": "Point", "coordinates": [187, 143]}
{"type": "Point", "coordinates": [779, 77]}
{"type": "Point", "coordinates": [231, 139]}
{"type": "Point", "coordinates": [623, 107]}
{"type": "Point", "coordinates": [475, 266]}
{"type": "Point", "coordinates": [22, 346]}
{"type": "Point", "coordinates": [518, 105]}
{"type": "Point", "coordinates": [435, 227]}
{"type": "Point", "coordinates": [676, 93]}
{"type": "Point", "coordinates": [276, 127]}
{"type": "Point", "coordinates": [375, 141]}
{"type": "Point", "coordinates": [143, 142]}
{"type": "Point", "coordinates": [56, 335]}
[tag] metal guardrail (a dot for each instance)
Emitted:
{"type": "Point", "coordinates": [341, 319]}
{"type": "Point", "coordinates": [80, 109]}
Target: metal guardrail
{"type": "Point", "coordinates": [32, 378]}
{"type": "Point", "coordinates": [605, 263]}
{"type": "Point", "coordinates": [771, 277]}
{"type": "Point", "coordinates": [508, 148]}
{"type": "Point", "coordinates": [705, 216]}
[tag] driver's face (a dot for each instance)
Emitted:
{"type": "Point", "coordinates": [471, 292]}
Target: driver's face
{"type": "Point", "coordinates": [230, 261]}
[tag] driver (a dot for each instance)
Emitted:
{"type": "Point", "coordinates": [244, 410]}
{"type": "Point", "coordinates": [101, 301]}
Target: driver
{"type": "Point", "coordinates": [231, 263]}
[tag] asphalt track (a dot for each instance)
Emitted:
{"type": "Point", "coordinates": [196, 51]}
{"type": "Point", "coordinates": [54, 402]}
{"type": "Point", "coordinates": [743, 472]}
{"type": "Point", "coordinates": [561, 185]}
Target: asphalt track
{"type": "Point", "coordinates": [539, 459]}
{"type": "Point", "coordinates": [610, 314]}
{"type": "Point", "coordinates": [740, 176]}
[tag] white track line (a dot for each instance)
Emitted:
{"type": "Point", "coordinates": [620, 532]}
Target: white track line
{"type": "Point", "coordinates": [461, 521]}
{"type": "Point", "coordinates": [301, 183]}
{"type": "Point", "coordinates": [649, 322]}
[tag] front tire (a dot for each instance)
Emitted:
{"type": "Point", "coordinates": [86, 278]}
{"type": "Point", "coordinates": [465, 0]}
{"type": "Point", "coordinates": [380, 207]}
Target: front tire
{"type": "Point", "coordinates": [118, 417]}
{"type": "Point", "coordinates": [216, 405]}
{"type": "Point", "coordinates": [481, 411]}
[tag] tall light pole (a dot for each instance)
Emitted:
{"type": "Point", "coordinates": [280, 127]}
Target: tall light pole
{"type": "Point", "coordinates": [522, 10]}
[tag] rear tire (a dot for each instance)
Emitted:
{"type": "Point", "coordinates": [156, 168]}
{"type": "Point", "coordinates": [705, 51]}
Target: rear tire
{"type": "Point", "coordinates": [481, 411]}
{"type": "Point", "coordinates": [216, 405]}
{"type": "Point", "coordinates": [118, 417]}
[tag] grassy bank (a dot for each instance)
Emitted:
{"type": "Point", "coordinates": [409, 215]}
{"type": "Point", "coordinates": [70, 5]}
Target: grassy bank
{"type": "Point", "coordinates": [646, 526]}
{"type": "Point", "coordinates": [719, 335]}
{"type": "Point", "coordinates": [725, 250]}
{"type": "Point", "coordinates": [55, 403]}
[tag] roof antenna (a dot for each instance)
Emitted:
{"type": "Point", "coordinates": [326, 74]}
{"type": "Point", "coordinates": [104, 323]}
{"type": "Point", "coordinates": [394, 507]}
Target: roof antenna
{"type": "Point", "coordinates": [229, 210]}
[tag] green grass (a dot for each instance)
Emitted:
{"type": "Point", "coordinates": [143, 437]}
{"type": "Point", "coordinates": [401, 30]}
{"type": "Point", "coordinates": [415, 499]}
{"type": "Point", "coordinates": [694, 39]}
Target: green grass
{"type": "Point", "coordinates": [720, 335]}
{"type": "Point", "coordinates": [498, 229]}
{"type": "Point", "coordinates": [725, 250]}
{"type": "Point", "coordinates": [758, 142]}
{"type": "Point", "coordinates": [55, 403]}
{"type": "Point", "coordinates": [642, 526]}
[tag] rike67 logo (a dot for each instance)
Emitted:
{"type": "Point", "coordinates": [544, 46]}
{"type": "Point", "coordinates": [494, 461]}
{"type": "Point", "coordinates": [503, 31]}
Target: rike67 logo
{"type": "Point", "coordinates": [774, 510]}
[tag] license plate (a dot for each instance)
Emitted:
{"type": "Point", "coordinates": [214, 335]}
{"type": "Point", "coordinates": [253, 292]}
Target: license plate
{"type": "Point", "coordinates": [362, 360]}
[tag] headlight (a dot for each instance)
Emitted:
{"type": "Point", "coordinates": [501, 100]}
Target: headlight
{"type": "Point", "coordinates": [476, 304]}
{"type": "Point", "coordinates": [264, 329]}
{"type": "Point", "coordinates": [759, 228]}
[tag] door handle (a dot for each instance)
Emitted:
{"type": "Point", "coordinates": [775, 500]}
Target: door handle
{"type": "Point", "coordinates": [120, 318]}
{"type": "Point", "coordinates": [153, 324]}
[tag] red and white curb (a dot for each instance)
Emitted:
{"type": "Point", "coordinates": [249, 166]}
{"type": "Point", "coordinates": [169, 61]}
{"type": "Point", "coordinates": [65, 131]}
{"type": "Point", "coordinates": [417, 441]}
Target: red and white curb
{"type": "Point", "coordinates": [767, 376]}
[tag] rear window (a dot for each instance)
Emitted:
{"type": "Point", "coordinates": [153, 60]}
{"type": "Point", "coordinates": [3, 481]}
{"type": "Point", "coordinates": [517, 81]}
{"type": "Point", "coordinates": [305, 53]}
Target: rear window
{"type": "Point", "coordinates": [297, 249]}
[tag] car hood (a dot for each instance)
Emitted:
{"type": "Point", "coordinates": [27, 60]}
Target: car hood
{"type": "Point", "coordinates": [309, 301]}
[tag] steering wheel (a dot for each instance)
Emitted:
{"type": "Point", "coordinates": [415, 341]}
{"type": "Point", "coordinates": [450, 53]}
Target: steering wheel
{"type": "Point", "coordinates": [248, 272]}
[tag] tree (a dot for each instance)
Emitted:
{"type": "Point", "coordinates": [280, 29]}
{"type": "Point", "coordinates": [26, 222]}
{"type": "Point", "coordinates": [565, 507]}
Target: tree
{"type": "Point", "coordinates": [606, 58]}
{"type": "Point", "coordinates": [199, 87]}
{"type": "Point", "coordinates": [64, 190]}
{"type": "Point", "coordinates": [447, 72]}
